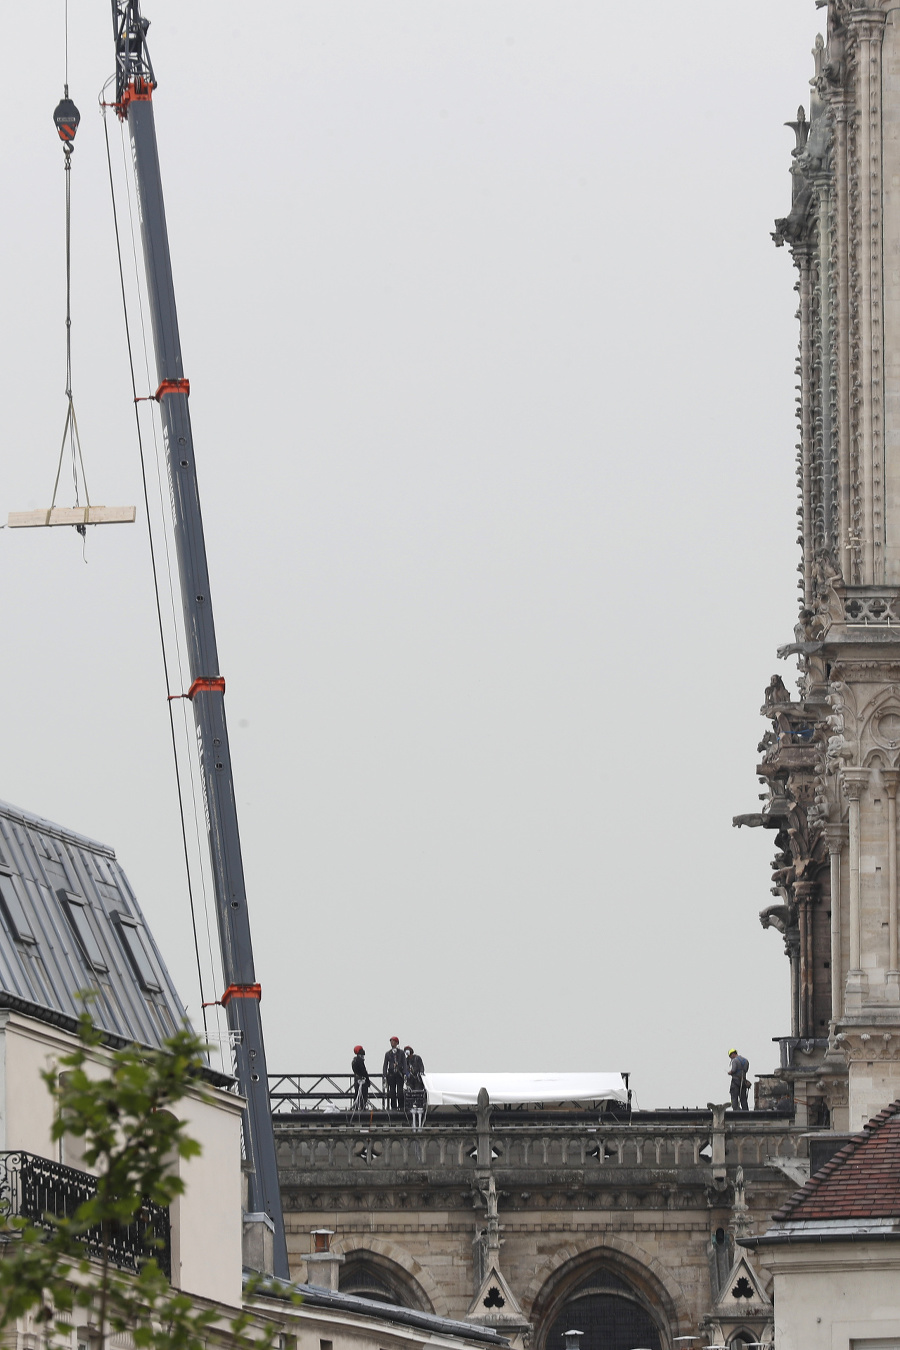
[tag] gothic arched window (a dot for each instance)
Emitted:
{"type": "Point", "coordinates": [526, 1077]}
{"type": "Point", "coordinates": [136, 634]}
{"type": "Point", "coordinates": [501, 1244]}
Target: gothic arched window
{"type": "Point", "coordinates": [370, 1275]}
{"type": "Point", "coordinates": [609, 1312]}
{"type": "Point", "coordinates": [367, 1283]}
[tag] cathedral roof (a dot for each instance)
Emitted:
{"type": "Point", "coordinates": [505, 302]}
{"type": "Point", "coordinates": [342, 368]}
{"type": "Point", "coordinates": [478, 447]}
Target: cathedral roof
{"type": "Point", "coordinates": [861, 1180]}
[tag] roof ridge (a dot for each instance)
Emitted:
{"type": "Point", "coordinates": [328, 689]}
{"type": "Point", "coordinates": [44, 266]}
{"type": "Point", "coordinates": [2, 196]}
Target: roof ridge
{"type": "Point", "coordinates": [44, 826]}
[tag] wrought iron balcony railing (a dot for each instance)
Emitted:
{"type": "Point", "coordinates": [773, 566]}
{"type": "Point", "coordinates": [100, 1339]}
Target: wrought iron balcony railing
{"type": "Point", "coordinates": [40, 1191]}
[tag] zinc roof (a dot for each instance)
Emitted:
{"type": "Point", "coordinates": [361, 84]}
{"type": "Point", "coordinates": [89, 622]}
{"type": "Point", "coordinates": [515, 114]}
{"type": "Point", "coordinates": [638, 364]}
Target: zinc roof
{"type": "Point", "coordinates": [315, 1296]}
{"type": "Point", "coordinates": [861, 1181]}
{"type": "Point", "coordinates": [69, 921]}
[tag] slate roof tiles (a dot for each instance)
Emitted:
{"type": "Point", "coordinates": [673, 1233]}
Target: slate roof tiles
{"type": "Point", "coordinates": [861, 1181]}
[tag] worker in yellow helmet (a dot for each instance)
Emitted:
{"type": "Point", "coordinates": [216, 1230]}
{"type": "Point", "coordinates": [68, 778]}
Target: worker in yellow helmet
{"type": "Point", "coordinates": [738, 1071]}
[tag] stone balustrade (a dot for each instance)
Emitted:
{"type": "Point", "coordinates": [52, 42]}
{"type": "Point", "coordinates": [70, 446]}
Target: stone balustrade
{"type": "Point", "coordinates": [868, 605]}
{"type": "Point", "coordinates": [321, 1147]}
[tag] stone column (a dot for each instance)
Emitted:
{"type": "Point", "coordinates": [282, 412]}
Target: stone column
{"type": "Point", "coordinates": [853, 781]}
{"type": "Point", "coordinates": [865, 330]}
{"type": "Point", "coordinates": [869, 31]}
{"type": "Point", "coordinates": [803, 262]}
{"type": "Point", "coordinates": [822, 431]}
{"type": "Point", "coordinates": [792, 952]}
{"type": "Point", "coordinates": [835, 837]}
{"type": "Point", "coordinates": [717, 1141]}
{"type": "Point", "coordinates": [891, 780]}
{"type": "Point", "coordinates": [804, 895]}
{"type": "Point", "coordinates": [483, 1127]}
{"type": "Point", "coordinates": [841, 282]}
{"type": "Point", "coordinates": [874, 1071]}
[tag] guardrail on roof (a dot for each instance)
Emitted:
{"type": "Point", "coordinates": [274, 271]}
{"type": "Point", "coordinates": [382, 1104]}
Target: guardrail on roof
{"type": "Point", "coordinates": [295, 1093]}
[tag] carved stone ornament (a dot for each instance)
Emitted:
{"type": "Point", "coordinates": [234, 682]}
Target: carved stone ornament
{"type": "Point", "coordinates": [885, 728]}
{"type": "Point", "coordinates": [741, 1305]}
{"type": "Point", "coordinates": [496, 1305]}
{"type": "Point", "coordinates": [835, 1089]}
{"type": "Point", "coordinates": [867, 1046]}
{"type": "Point", "coordinates": [853, 783]}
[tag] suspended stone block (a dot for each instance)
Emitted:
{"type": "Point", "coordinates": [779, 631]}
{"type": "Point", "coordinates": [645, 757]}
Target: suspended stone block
{"type": "Point", "coordinates": [73, 515]}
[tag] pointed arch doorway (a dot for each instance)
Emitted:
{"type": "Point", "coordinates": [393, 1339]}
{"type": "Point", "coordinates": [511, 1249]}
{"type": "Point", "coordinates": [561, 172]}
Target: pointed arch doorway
{"type": "Point", "coordinates": [610, 1313]}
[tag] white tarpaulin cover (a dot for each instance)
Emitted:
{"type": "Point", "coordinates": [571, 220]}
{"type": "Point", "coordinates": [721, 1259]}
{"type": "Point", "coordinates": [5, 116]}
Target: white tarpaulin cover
{"type": "Point", "coordinates": [514, 1089]}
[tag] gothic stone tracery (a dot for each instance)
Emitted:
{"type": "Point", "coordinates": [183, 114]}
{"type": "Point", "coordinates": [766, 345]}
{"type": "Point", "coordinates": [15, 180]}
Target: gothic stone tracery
{"type": "Point", "coordinates": [830, 763]}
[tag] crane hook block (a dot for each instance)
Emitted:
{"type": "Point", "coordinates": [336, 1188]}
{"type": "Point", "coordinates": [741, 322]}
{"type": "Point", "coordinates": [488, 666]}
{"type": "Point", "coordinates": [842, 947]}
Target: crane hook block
{"type": "Point", "coordinates": [66, 116]}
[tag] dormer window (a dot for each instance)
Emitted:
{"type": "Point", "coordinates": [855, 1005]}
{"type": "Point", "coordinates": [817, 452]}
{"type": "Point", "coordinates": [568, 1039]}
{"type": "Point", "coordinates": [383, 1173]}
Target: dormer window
{"type": "Point", "coordinates": [77, 912]}
{"type": "Point", "coordinates": [13, 909]}
{"type": "Point", "coordinates": [132, 936]}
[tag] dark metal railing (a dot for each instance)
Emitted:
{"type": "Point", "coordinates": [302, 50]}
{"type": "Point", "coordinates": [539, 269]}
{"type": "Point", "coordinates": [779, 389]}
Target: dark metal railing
{"type": "Point", "coordinates": [41, 1191]}
{"type": "Point", "coordinates": [290, 1092]}
{"type": "Point", "coordinates": [293, 1093]}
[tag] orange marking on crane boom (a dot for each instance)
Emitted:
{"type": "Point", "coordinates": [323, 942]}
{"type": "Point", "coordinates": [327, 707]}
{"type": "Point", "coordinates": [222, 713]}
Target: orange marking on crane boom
{"type": "Point", "coordinates": [139, 91]}
{"type": "Point", "coordinates": [241, 991]}
{"type": "Point", "coordinates": [207, 684]}
{"type": "Point", "coordinates": [172, 387]}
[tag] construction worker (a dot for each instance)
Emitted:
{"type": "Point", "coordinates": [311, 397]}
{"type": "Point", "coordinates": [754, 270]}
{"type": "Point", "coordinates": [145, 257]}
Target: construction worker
{"type": "Point", "coordinates": [361, 1079]}
{"type": "Point", "coordinates": [392, 1075]}
{"type": "Point", "coordinates": [738, 1071]}
{"type": "Point", "coordinates": [414, 1087]}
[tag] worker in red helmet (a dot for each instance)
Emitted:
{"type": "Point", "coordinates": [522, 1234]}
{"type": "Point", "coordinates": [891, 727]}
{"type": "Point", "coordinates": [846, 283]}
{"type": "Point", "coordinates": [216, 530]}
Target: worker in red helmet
{"type": "Point", "coordinates": [392, 1075]}
{"type": "Point", "coordinates": [361, 1079]}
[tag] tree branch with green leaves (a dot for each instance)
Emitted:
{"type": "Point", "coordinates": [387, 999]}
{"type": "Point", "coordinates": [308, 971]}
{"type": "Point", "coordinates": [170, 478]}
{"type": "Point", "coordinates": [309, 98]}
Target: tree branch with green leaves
{"type": "Point", "coordinates": [126, 1115]}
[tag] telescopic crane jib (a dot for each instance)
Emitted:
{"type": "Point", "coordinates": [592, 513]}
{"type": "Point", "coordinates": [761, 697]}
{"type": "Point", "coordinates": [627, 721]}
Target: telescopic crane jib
{"type": "Point", "coordinates": [135, 83]}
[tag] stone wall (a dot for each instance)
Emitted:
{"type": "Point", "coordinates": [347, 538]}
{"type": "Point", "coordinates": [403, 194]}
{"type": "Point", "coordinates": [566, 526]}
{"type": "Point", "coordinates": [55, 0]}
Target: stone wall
{"type": "Point", "coordinates": [532, 1207]}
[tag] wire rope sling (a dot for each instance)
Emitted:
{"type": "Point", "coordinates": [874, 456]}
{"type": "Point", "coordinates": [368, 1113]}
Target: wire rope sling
{"type": "Point", "coordinates": [66, 118]}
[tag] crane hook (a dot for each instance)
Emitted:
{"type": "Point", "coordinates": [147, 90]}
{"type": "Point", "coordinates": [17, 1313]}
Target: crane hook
{"type": "Point", "coordinates": [66, 116]}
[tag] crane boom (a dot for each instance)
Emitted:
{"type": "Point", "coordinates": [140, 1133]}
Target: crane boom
{"type": "Point", "coordinates": [134, 88]}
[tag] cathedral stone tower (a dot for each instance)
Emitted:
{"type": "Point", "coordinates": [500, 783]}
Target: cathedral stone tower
{"type": "Point", "coordinates": [831, 763]}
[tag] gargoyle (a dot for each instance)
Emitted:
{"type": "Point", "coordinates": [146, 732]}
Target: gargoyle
{"type": "Point", "coordinates": [776, 916]}
{"type": "Point", "coordinates": [815, 152]}
{"type": "Point", "coordinates": [776, 692]}
{"type": "Point", "coordinates": [792, 227]}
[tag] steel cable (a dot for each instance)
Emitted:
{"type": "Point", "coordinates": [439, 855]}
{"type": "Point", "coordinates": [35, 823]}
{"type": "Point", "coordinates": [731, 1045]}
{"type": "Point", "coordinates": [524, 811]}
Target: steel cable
{"type": "Point", "coordinates": [174, 609]}
{"type": "Point", "coordinates": [153, 564]}
{"type": "Point", "coordinates": [176, 630]}
{"type": "Point", "coordinates": [70, 427]}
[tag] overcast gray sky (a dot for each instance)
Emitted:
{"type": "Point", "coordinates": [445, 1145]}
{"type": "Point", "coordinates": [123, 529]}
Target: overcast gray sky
{"type": "Point", "coordinates": [491, 360]}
